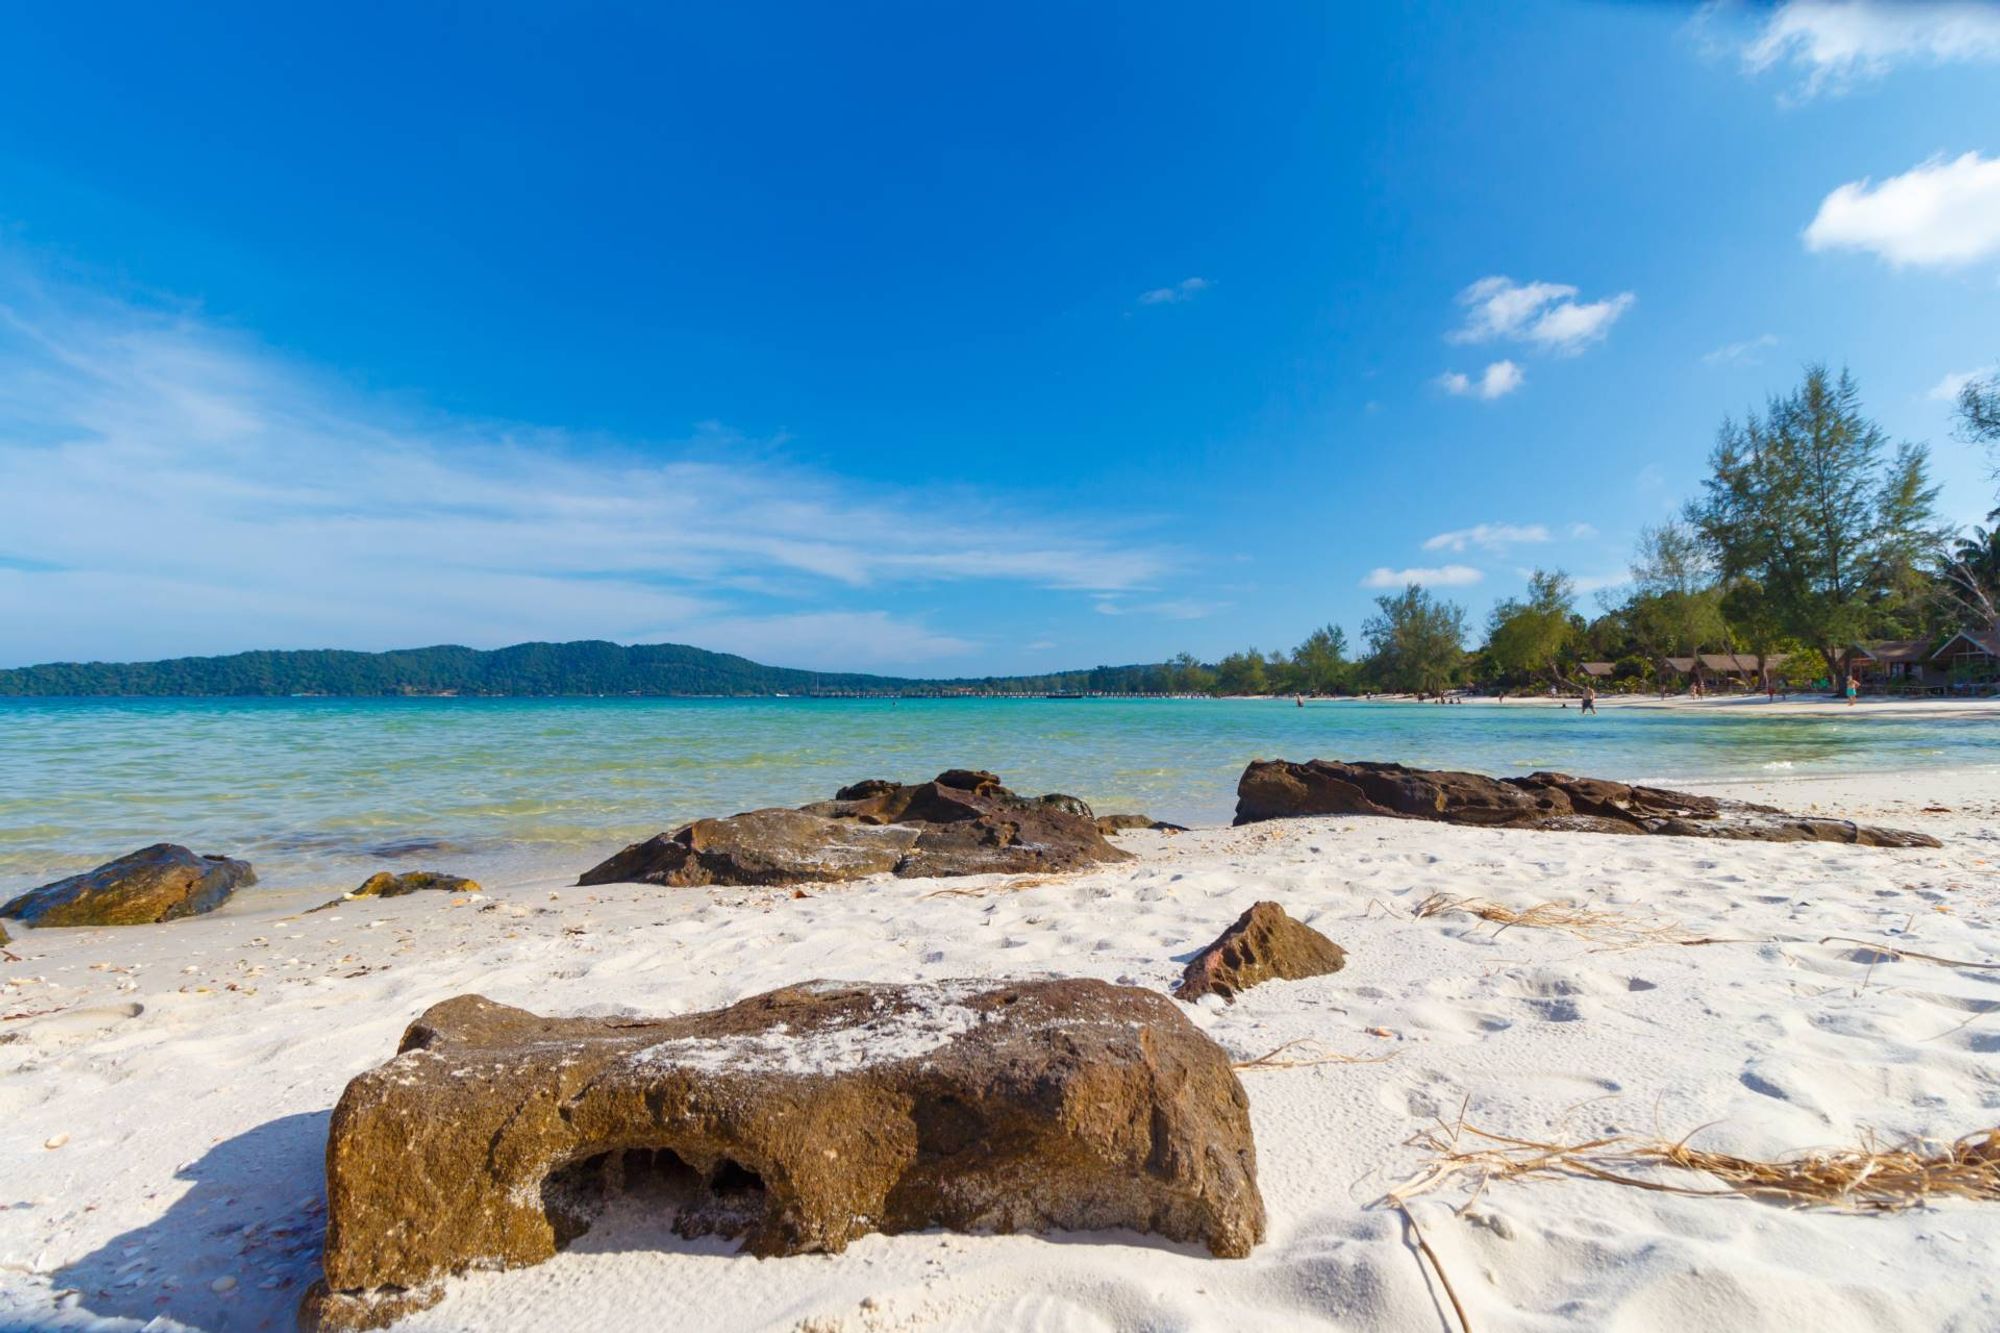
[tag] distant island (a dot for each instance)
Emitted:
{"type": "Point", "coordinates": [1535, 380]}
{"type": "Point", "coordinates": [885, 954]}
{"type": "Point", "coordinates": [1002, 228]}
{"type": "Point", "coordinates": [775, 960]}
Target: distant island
{"type": "Point", "coordinates": [586, 668]}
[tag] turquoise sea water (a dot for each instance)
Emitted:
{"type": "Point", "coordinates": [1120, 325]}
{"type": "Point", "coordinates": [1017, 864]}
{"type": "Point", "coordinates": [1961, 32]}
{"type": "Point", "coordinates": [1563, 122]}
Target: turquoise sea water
{"type": "Point", "coordinates": [323, 791]}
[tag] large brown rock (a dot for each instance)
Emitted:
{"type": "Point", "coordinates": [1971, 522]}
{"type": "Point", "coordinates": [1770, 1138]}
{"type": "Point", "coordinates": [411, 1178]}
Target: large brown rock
{"type": "Point", "coordinates": [798, 1120]}
{"type": "Point", "coordinates": [963, 822]}
{"type": "Point", "coordinates": [157, 883]}
{"type": "Point", "coordinates": [1279, 789]}
{"type": "Point", "coordinates": [1263, 945]}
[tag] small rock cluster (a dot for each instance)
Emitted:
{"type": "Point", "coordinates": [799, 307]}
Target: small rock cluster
{"type": "Point", "coordinates": [962, 822]}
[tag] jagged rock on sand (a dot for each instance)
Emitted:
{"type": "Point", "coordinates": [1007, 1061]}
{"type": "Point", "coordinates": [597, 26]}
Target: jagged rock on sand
{"type": "Point", "coordinates": [385, 884]}
{"type": "Point", "coordinates": [963, 822]}
{"type": "Point", "coordinates": [157, 883]}
{"type": "Point", "coordinates": [798, 1119]}
{"type": "Point", "coordinates": [1280, 789]}
{"type": "Point", "coordinates": [1263, 945]}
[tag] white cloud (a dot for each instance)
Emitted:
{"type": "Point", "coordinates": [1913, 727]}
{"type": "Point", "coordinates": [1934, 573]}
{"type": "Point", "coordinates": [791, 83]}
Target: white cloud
{"type": "Point", "coordinates": [1582, 531]}
{"type": "Point", "coordinates": [1184, 290]}
{"type": "Point", "coordinates": [1939, 212]}
{"type": "Point", "coordinates": [1488, 536]}
{"type": "Point", "coordinates": [1544, 314]}
{"type": "Point", "coordinates": [1947, 389]}
{"type": "Point", "coordinates": [165, 489]}
{"type": "Point", "coordinates": [1837, 43]}
{"type": "Point", "coordinates": [1499, 379]}
{"type": "Point", "coordinates": [1446, 576]}
{"type": "Point", "coordinates": [1745, 353]}
{"type": "Point", "coordinates": [1589, 583]}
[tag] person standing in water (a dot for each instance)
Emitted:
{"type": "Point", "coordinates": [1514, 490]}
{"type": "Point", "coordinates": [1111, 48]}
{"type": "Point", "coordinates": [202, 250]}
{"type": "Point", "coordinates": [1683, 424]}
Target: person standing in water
{"type": "Point", "coordinates": [1853, 689]}
{"type": "Point", "coordinates": [1590, 698]}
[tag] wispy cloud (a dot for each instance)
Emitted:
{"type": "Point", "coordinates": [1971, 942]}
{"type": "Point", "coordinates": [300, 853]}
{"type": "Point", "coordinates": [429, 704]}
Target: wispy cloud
{"type": "Point", "coordinates": [1835, 44]}
{"type": "Point", "coordinates": [1184, 290]}
{"type": "Point", "coordinates": [166, 488]}
{"type": "Point", "coordinates": [1500, 379]}
{"type": "Point", "coordinates": [1947, 389]}
{"type": "Point", "coordinates": [1443, 576]}
{"type": "Point", "coordinates": [1488, 537]}
{"type": "Point", "coordinates": [1181, 608]}
{"type": "Point", "coordinates": [1941, 212]}
{"type": "Point", "coordinates": [1582, 531]}
{"type": "Point", "coordinates": [1746, 353]}
{"type": "Point", "coordinates": [1544, 314]}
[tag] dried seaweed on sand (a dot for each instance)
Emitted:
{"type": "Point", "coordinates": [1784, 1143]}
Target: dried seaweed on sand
{"type": "Point", "coordinates": [1596, 924]}
{"type": "Point", "coordinates": [1870, 1176]}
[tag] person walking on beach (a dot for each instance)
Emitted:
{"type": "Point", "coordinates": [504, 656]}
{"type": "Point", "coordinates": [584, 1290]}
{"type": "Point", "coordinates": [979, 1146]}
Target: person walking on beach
{"type": "Point", "coordinates": [1853, 689]}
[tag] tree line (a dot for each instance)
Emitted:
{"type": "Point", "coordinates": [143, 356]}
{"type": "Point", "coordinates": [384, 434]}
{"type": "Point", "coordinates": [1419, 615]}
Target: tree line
{"type": "Point", "coordinates": [1812, 532]}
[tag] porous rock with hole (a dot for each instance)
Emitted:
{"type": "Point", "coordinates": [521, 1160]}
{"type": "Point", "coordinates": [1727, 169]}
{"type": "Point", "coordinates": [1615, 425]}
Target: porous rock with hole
{"type": "Point", "coordinates": [798, 1119]}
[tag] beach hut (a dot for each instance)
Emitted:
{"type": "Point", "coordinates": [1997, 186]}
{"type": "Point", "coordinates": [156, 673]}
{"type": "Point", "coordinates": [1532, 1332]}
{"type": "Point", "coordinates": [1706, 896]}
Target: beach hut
{"type": "Point", "coordinates": [1893, 665]}
{"type": "Point", "coordinates": [1597, 670]}
{"type": "Point", "coordinates": [1732, 670]}
{"type": "Point", "coordinates": [1968, 658]}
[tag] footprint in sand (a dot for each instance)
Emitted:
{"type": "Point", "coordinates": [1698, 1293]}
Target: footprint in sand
{"type": "Point", "coordinates": [72, 1025]}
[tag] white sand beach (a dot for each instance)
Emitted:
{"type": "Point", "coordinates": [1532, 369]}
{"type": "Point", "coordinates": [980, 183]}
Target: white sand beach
{"type": "Point", "coordinates": [164, 1090]}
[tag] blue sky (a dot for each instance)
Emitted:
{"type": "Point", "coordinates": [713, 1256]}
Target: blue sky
{"type": "Point", "coordinates": [936, 340]}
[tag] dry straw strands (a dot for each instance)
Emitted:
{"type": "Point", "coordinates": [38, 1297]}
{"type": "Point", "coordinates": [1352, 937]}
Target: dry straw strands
{"type": "Point", "coordinates": [1613, 930]}
{"type": "Point", "coordinates": [1277, 1059]}
{"type": "Point", "coordinates": [1868, 1177]}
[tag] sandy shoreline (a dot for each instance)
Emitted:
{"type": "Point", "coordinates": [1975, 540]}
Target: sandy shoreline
{"type": "Point", "coordinates": [191, 1068]}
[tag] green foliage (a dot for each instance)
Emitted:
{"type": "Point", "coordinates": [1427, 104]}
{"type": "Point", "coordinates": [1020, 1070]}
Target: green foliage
{"type": "Point", "coordinates": [1416, 641]}
{"type": "Point", "coordinates": [1808, 501]}
{"type": "Point", "coordinates": [1320, 665]}
{"type": "Point", "coordinates": [585, 668]}
{"type": "Point", "coordinates": [1242, 673]}
{"type": "Point", "coordinates": [1533, 637]}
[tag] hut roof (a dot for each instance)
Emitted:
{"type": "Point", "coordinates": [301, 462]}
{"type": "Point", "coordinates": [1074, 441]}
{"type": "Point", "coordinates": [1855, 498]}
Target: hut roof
{"type": "Point", "coordinates": [1886, 651]}
{"type": "Point", "coordinates": [1982, 640]}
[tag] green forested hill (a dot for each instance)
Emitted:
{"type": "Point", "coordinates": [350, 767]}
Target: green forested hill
{"type": "Point", "coordinates": [588, 667]}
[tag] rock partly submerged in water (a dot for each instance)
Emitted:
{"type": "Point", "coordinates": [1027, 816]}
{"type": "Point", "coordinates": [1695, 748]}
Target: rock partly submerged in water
{"type": "Point", "coordinates": [798, 1120]}
{"type": "Point", "coordinates": [1280, 789]}
{"type": "Point", "coordinates": [158, 883]}
{"type": "Point", "coordinates": [963, 822]}
{"type": "Point", "coordinates": [1264, 944]}
{"type": "Point", "coordinates": [385, 884]}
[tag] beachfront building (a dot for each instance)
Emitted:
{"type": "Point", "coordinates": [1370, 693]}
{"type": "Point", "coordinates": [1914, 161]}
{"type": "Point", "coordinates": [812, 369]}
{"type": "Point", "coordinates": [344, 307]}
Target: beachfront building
{"type": "Point", "coordinates": [1969, 659]}
{"type": "Point", "coordinates": [1891, 665]}
{"type": "Point", "coordinates": [1729, 670]}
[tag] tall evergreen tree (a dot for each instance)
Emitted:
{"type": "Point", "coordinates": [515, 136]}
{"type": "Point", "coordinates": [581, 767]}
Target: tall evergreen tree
{"type": "Point", "coordinates": [1808, 501]}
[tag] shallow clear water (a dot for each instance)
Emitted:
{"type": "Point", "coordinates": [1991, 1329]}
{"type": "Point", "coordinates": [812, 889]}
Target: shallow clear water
{"type": "Point", "coordinates": [319, 791]}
